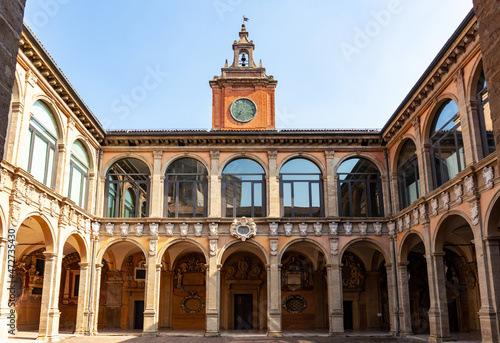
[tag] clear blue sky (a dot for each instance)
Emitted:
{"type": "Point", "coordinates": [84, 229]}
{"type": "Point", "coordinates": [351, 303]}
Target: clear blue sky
{"type": "Point", "coordinates": [339, 64]}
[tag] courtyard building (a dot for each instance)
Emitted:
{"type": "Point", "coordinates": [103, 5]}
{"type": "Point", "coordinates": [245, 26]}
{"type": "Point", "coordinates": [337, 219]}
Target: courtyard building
{"type": "Point", "coordinates": [246, 226]}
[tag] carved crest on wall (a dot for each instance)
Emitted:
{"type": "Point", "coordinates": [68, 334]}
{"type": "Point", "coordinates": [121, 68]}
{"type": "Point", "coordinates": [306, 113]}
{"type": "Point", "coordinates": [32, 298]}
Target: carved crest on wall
{"type": "Point", "coordinates": [294, 303]}
{"type": "Point", "coordinates": [295, 274]}
{"type": "Point", "coordinates": [353, 275]}
{"type": "Point", "coordinates": [243, 228]}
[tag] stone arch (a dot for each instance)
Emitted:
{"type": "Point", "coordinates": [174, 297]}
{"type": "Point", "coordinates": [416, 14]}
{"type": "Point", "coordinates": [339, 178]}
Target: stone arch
{"type": "Point", "coordinates": [305, 156]}
{"type": "Point", "coordinates": [376, 245]}
{"type": "Point", "coordinates": [164, 249]}
{"type": "Point", "coordinates": [263, 251]}
{"type": "Point", "coordinates": [58, 115]}
{"type": "Point", "coordinates": [470, 90]}
{"type": "Point", "coordinates": [176, 157]}
{"type": "Point", "coordinates": [397, 151]}
{"type": "Point", "coordinates": [17, 90]}
{"type": "Point", "coordinates": [441, 227]}
{"type": "Point", "coordinates": [118, 157]}
{"type": "Point", "coordinates": [427, 125]}
{"type": "Point", "coordinates": [47, 229]}
{"type": "Point", "coordinates": [408, 242]}
{"type": "Point", "coordinates": [83, 244]}
{"type": "Point", "coordinates": [245, 155]}
{"type": "Point", "coordinates": [369, 157]}
{"type": "Point", "coordinates": [311, 241]}
{"type": "Point", "coordinates": [102, 251]}
{"type": "Point", "coordinates": [492, 216]}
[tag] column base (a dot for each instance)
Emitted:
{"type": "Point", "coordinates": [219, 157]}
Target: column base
{"type": "Point", "coordinates": [212, 333]}
{"type": "Point", "coordinates": [439, 339]}
{"type": "Point", "coordinates": [150, 334]}
{"type": "Point", "coordinates": [274, 334]}
{"type": "Point", "coordinates": [337, 334]}
{"type": "Point", "coordinates": [48, 339]}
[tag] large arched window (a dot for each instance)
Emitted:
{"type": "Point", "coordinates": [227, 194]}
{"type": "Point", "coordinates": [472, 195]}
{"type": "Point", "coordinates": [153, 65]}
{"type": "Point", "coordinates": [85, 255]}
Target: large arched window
{"type": "Point", "coordinates": [487, 137]}
{"type": "Point", "coordinates": [186, 189]}
{"type": "Point", "coordinates": [359, 189]}
{"type": "Point", "coordinates": [300, 189]}
{"type": "Point", "coordinates": [243, 189]}
{"type": "Point", "coordinates": [43, 135]}
{"type": "Point", "coordinates": [447, 143]}
{"type": "Point", "coordinates": [78, 174]}
{"type": "Point", "coordinates": [408, 176]}
{"type": "Point", "coordinates": [127, 189]}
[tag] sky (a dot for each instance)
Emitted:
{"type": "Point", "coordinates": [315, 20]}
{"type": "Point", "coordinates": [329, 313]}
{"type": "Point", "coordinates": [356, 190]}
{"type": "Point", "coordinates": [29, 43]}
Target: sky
{"type": "Point", "coordinates": [339, 64]}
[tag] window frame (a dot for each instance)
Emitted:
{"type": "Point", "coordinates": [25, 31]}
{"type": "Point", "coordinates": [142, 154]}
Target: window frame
{"type": "Point", "coordinates": [437, 144]}
{"type": "Point", "coordinates": [79, 165]}
{"type": "Point", "coordinates": [45, 137]}
{"type": "Point", "coordinates": [309, 182]}
{"type": "Point", "coordinates": [368, 182]}
{"type": "Point", "coordinates": [411, 163]}
{"type": "Point", "coordinates": [176, 185]}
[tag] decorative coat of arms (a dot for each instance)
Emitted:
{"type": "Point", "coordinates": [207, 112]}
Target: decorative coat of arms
{"type": "Point", "coordinates": [243, 228]}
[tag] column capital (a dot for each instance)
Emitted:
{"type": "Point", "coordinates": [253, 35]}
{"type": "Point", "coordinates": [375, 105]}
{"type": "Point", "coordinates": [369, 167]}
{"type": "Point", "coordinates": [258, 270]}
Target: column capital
{"type": "Point", "coordinates": [438, 254]}
{"type": "Point", "coordinates": [403, 264]}
{"type": "Point", "coordinates": [83, 265]}
{"type": "Point", "coordinates": [49, 256]}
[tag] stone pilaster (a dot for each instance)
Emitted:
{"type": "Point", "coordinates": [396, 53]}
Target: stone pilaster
{"type": "Point", "coordinates": [274, 297]}
{"type": "Point", "coordinates": [335, 300]}
{"type": "Point", "coordinates": [214, 202]}
{"type": "Point", "coordinates": [331, 205]}
{"type": "Point", "coordinates": [152, 289]}
{"type": "Point", "coordinates": [156, 201]}
{"type": "Point", "coordinates": [487, 14]}
{"type": "Point", "coordinates": [213, 291]}
{"type": "Point", "coordinates": [396, 205]}
{"type": "Point", "coordinates": [404, 300]}
{"type": "Point", "coordinates": [488, 262]}
{"type": "Point", "coordinates": [392, 294]}
{"type": "Point", "coordinates": [273, 186]}
{"type": "Point", "coordinates": [82, 310]}
{"type": "Point", "coordinates": [426, 178]}
{"type": "Point", "coordinates": [420, 156]}
{"type": "Point", "coordinates": [49, 311]}
{"type": "Point", "coordinates": [95, 297]}
{"type": "Point", "coordinates": [438, 311]}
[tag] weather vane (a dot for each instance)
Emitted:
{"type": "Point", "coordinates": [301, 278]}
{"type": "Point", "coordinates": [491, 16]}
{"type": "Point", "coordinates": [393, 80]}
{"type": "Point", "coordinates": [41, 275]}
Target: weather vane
{"type": "Point", "coordinates": [245, 19]}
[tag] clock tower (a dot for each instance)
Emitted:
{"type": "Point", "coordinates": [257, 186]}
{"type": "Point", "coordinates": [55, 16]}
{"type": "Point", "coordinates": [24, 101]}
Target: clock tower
{"type": "Point", "coordinates": [243, 95]}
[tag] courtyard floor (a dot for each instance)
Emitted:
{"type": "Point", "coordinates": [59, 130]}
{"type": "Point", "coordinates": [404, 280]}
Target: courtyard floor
{"type": "Point", "coordinates": [194, 336]}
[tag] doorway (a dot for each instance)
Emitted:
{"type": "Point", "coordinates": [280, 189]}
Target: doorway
{"type": "Point", "coordinates": [243, 312]}
{"type": "Point", "coordinates": [348, 325]}
{"type": "Point", "coordinates": [138, 314]}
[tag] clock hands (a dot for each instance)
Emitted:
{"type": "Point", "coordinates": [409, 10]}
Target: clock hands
{"type": "Point", "coordinates": [244, 106]}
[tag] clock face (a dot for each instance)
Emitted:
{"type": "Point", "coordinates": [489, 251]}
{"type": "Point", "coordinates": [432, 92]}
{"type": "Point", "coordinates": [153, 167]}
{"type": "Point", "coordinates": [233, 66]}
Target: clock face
{"type": "Point", "coordinates": [243, 110]}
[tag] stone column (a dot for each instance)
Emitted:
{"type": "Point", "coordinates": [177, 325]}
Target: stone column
{"type": "Point", "coordinates": [487, 256]}
{"type": "Point", "coordinates": [387, 209]}
{"type": "Point", "coordinates": [11, 21]}
{"type": "Point", "coordinates": [151, 296]}
{"type": "Point", "coordinates": [404, 300]}
{"type": "Point", "coordinates": [273, 186]}
{"type": "Point", "coordinates": [91, 201]}
{"type": "Point", "coordinates": [155, 207]}
{"type": "Point", "coordinates": [82, 311]}
{"type": "Point", "coordinates": [438, 311]}
{"type": "Point", "coordinates": [392, 295]}
{"type": "Point", "coordinates": [470, 126]}
{"type": "Point", "coordinates": [49, 311]}
{"type": "Point", "coordinates": [213, 290]}
{"type": "Point", "coordinates": [331, 205]}
{"type": "Point", "coordinates": [102, 204]}
{"type": "Point", "coordinates": [395, 192]}
{"type": "Point", "coordinates": [487, 14]}
{"type": "Point", "coordinates": [95, 298]}
{"type": "Point", "coordinates": [274, 296]}
{"type": "Point", "coordinates": [335, 301]}
{"type": "Point", "coordinates": [426, 176]}
{"type": "Point", "coordinates": [214, 202]}
{"type": "Point", "coordinates": [421, 157]}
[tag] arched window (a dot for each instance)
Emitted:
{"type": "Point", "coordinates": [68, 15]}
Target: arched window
{"type": "Point", "coordinates": [127, 189]}
{"type": "Point", "coordinates": [359, 189]}
{"type": "Point", "coordinates": [408, 176]}
{"type": "Point", "coordinates": [186, 189]}
{"type": "Point", "coordinates": [243, 191]}
{"type": "Point", "coordinates": [43, 133]}
{"type": "Point", "coordinates": [487, 137]}
{"type": "Point", "coordinates": [300, 188]}
{"type": "Point", "coordinates": [78, 174]}
{"type": "Point", "coordinates": [447, 143]}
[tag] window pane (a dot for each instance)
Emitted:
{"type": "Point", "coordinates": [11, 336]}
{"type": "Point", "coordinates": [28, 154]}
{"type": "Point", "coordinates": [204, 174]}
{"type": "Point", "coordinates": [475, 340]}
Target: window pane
{"type": "Point", "coordinates": [229, 199]}
{"type": "Point", "coordinates": [243, 166]}
{"type": "Point", "coordinates": [200, 199]}
{"type": "Point", "coordinates": [301, 199]}
{"type": "Point", "coordinates": [186, 199]}
{"type": "Point", "coordinates": [79, 152]}
{"type": "Point", "coordinates": [43, 115]}
{"type": "Point", "coordinates": [76, 183]}
{"type": "Point", "coordinates": [50, 167]}
{"type": "Point", "coordinates": [359, 199]}
{"type": "Point", "coordinates": [257, 193]}
{"type": "Point", "coordinates": [375, 200]}
{"type": "Point", "coordinates": [344, 197]}
{"type": "Point", "coordinates": [112, 200]}
{"type": "Point", "coordinates": [315, 200]}
{"type": "Point", "coordinates": [39, 159]}
{"type": "Point", "coordinates": [300, 165]}
{"type": "Point", "coordinates": [442, 121]}
{"type": "Point", "coordinates": [172, 193]}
